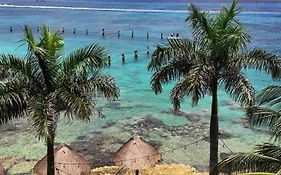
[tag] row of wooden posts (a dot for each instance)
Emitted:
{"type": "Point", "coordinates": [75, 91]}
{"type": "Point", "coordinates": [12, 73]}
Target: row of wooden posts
{"type": "Point", "coordinates": [123, 57]}
{"type": "Point", "coordinates": [103, 32]}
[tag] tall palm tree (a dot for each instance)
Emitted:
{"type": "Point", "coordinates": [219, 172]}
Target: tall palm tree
{"type": "Point", "coordinates": [267, 158]}
{"type": "Point", "coordinates": [44, 84]}
{"type": "Point", "coordinates": [216, 56]}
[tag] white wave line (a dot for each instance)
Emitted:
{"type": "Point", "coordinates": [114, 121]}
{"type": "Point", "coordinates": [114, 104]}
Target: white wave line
{"type": "Point", "coordinates": [92, 9]}
{"type": "Point", "coordinates": [123, 10]}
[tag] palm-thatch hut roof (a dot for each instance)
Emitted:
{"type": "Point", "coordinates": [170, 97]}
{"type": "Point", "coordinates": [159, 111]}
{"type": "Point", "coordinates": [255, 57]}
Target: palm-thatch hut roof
{"type": "Point", "coordinates": [67, 162]}
{"type": "Point", "coordinates": [137, 154]}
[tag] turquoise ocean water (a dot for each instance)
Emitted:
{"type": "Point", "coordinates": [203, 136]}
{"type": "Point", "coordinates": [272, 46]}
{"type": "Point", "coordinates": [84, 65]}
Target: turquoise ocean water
{"type": "Point", "coordinates": [137, 101]}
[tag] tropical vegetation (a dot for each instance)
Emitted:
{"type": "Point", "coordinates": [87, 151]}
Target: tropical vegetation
{"type": "Point", "coordinates": [46, 84]}
{"type": "Point", "coordinates": [267, 157]}
{"type": "Point", "coordinates": [215, 57]}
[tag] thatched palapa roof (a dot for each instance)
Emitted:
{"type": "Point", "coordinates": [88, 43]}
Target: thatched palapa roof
{"type": "Point", "coordinates": [67, 162]}
{"type": "Point", "coordinates": [137, 154]}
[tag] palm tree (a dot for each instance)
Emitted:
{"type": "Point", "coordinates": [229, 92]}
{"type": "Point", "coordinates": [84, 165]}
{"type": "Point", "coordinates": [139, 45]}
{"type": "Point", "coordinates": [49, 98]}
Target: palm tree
{"type": "Point", "coordinates": [267, 158]}
{"type": "Point", "coordinates": [216, 56]}
{"type": "Point", "coordinates": [44, 84]}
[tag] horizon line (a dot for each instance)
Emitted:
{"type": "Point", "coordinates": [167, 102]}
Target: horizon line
{"type": "Point", "coordinates": [120, 9]}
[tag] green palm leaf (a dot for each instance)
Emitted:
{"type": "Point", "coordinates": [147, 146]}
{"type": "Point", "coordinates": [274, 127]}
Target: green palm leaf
{"type": "Point", "coordinates": [227, 16]}
{"type": "Point", "coordinates": [51, 42]}
{"type": "Point", "coordinates": [172, 71]}
{"type": "Point", "coordinates": [43, 117]}
{"type": "Point", "coordinates": [270, 96]}
{"type": "Point", "coordinates": [270, 150]}
{"type": "Point", "coordinates": [176, 49]}
{"type": "Point", "coordinates": [202, 24]}
{"type": "Point", "coordinates": [267, 112]}
{"type": "Point", "coordinates": [13, 100]}
{"type": "Point", "coordinates": [90, 57]}
{"type": "Point", "coordinates": [11, 66]}
{"type": "Point", "coordinates": [264, 61]}
{"type": "Point", "coordinates": [239, 87]}
{"type": "Point", "coordinates": [263, 116]}
{"type": "Point", "coordinates": [194, 84]}
{"type": "Point", "coordinates": [173, 61]}
{"type": "Point", "coordinates": [253, 162]}
{"type": "Point", "coordinates": [76, 103]}
{"type": "Point", "coordinates": [31, 42]}
{"type": "Point", "coordinates": [104, 85]}
{"type": "Point", "coordinates": [235, 38]}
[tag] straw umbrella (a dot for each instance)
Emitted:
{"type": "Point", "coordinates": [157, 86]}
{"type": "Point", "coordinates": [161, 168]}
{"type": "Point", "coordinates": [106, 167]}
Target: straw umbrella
{"type": "Point", "coordinates": [67, 162]}
{"type": "Point", "coordinates": [136, 154]}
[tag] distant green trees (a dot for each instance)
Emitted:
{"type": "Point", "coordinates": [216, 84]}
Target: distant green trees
{"type": "Point", "coordinates": [214, 57]}
{"type": "Point", "coordinates": [44, 84]}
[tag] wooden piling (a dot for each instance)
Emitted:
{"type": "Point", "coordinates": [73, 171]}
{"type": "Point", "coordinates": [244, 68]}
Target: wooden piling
{"type": "Point", "coordinates": [118, 33]}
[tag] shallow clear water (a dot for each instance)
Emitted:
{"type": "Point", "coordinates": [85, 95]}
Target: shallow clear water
{"type": "Point", "coordinates": [263, 21]}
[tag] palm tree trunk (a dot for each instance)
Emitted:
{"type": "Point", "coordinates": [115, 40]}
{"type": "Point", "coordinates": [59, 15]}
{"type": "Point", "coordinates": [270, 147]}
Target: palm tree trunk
{"type": "Point", "coordinates": [214, 131]}
{"type": "Point", "coordinates": [50, 157]}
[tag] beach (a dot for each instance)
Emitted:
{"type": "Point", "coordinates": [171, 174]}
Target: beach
{"type": "Point", "coordinates": [138, 110]}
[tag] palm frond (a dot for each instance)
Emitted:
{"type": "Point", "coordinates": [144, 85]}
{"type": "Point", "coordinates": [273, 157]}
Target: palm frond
{"type": "Point", "coordinates": [11, 65]}
{"type": "Point", "coordinates": [174, 49]}
{"type": "Point", "coordinates": [48, 71]}
{"type": "Point", "coordinates": [172, 71]}
{"type": "Point", "coordinates": [90, 57]}
{"type": "Point", "coordinates": [264, 61]}
{"type": "Point", "coordinates": [201, 23]}
{"type": "Point", "coordinates": [39, 55]}
{"type": "Point", "coordinates": [193, 84]}
{"type": "Point", "coordinates": [52, 42]}
{"type": "Point", "coordinates": [239, 87]}
{"type": "Point", "coordinates": [249, 162]}
{"type": "Point", "coordinates": [269, 149]}
{"type": "Point", "coordinates": [43, 116]}
{"type": "Point", "coordinates": [104, 85]}
{"type": "Point", "coordinates": [264, 116]}
{"type": "Point", "coordinates": [13, 100]}
{"type": "Point", "coordinates": [227, 16]}
{"type": "Point", "coordinates": [76, 102]}
{"type": "Point", "coordinates": [31, 42]}
{"type": "Point", "coordinates": [271, 95]}
{"type": "Point", "coordinates": [235, 38]}
{"type": "Point", "coordinates": [172, 61]}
